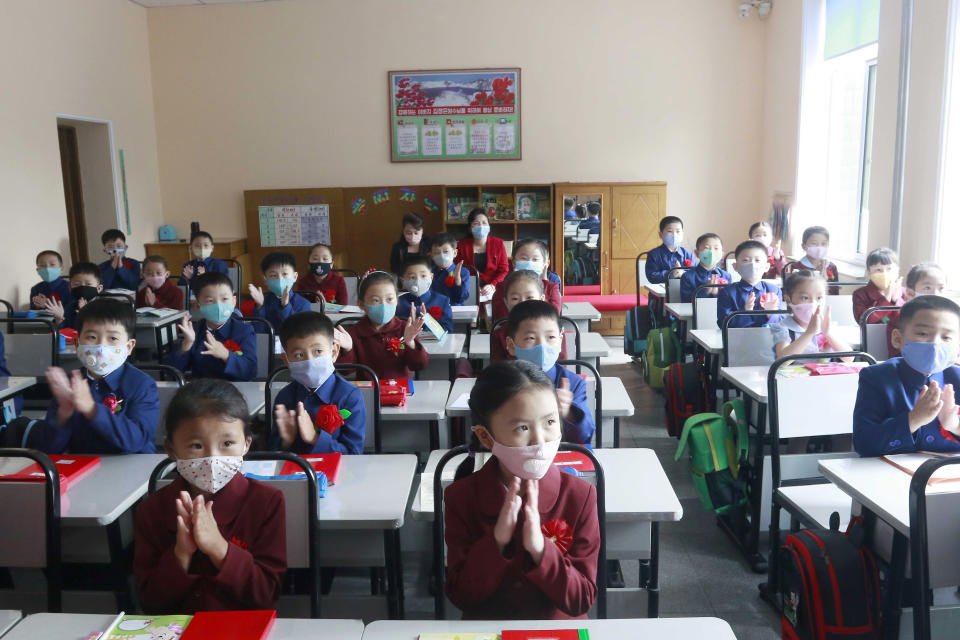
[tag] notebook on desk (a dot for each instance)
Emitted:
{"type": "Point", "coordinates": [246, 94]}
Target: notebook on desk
{"type": "Point", "coordinates": [146, 627]}
{"type": "Point", "coordinates": [545, 634]}
{"type": "Point", "coordinates": [158, 312]}
{"type": "Point", "coordinates": [327, 463]}
{"type": "Point", "coordinates": [71, 469]}
{"type": "Point", "coordinates": [910, 462]}
{"type": "Point", "coordinates": [232, 625]}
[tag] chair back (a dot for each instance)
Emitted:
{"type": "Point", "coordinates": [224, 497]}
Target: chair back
{"type": "Point", "coordinates": [594, 400]}
{"type": "Point", "coordinates": [30, 354]}
{"type": "Point", "coordinates": [351, 280]}
{"type": "Point", "coordinates": [473, 294]}
{"type": "Point", "coordinates": [266, 346]}
{"type": "Point", "coordinates": [235, 273]}
{"type": "Point", "coordinates": [873, 337]}
{"type": "Point", "coordinates": [169, 380]}
{"type": "Point", "coordinates": [746, 346]}
{"type": "Point", "coordinates": [705, 309]}
{"type": "Point", "coordinates": [673, 289]}
{"type": "Point", "coordinates": [841, 310]}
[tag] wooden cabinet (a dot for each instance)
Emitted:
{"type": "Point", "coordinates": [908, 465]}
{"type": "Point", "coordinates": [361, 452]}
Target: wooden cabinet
{"type": "Point", "coordinates": [532, 201]}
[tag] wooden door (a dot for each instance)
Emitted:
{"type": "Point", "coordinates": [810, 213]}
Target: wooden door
{"type": "Point", "coordinates": [636, 210]}
{"type": "Point", "coordinates": [565, 247]}
{"type": "Point", "coordinates": [73, 193]}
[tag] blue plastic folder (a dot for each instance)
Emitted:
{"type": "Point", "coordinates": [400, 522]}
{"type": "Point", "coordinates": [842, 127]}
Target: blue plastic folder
{"type": "Point", "coordinates": [321, 480]}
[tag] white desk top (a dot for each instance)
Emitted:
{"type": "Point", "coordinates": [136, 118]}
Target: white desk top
{"type": "Point", "coordinates": [625, 471]}
{"type": "Point", "coordinates": [682, 311]}
{"type": "Point", "coordinates": [150, 321]}
{"type": "Point", "coordinates": [428, 402]}
{"type": "Point", "coordinates": [750, 380]}
{"type": "Point", "coordinates": [76, 626]}
{"type": "Point", "coordinates": [616, 401]}
{"type": "Point", "coordinates": [465, 312]}
{"type": "Point", "coordinates": [592, 345]}
{"type": "Point", "coordinates": [710, 339]}
{"type": "Point", "coordinates": [10, 386]}
{"type": "Point", "coordinates": [656, 289]}
{"type": "Point", "coordinates": [666, 628]}
{"type": "Point", "coordinates": [450, 347]}
{"type": "Point", "coordinates": [8, 618]}
{"type": "Point", "coordinates": [579, 311]}
{"type": "Point", "coordinates": [371, 492]}
{"type": "Point", "coordinates": [109, 490]}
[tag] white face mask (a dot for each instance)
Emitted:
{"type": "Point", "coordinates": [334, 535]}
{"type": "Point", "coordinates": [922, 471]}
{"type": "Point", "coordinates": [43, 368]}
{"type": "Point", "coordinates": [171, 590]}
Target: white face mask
{"type": "Point", "coordinates": [101, 359]}
{"type": "Point", "coordinates": [528, 463]}
{"type": "Point", "coordinates": [443, 260]}
{"type": "Point", "coordinates": [209, 474]}
{"type": "Point", "coordinates": [312, 373]}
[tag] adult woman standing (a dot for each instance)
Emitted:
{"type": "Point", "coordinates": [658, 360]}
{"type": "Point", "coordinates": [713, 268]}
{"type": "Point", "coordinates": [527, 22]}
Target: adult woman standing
{"type": "Point", "coordinates": [413, 242]}
{"type": "Point", "coordinates": [485, 253]}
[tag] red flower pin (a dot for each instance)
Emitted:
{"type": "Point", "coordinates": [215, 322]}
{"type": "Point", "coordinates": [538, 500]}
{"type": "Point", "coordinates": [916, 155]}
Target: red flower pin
{"type": "Point", "coordinates": [233, 347]}
{"type": "Point", "coordinates": [450, 280]}
{"type": "Point", "coordinates": [436, 312]}
{"type": "Point", "coordinates": [688, 262]}
{"type": "Point", "coordinates": [328, 418]}
{"type": "Point", "coordinates": [330, 295]}
{"type": "Point", "coordinates": [722, 280]}
{"type": "Point", "coordinates": [559, 532]}
{"type": "Point", "coordinates": [128, 264]}
{"type": "Point", "coordinates": [112, 403]}
{"type": "Point", "coordinates": [394, 345]}
{"type": "Point", "coordinates": [237, 541]}
{"type": "Point", "coordinates": [55, 296]}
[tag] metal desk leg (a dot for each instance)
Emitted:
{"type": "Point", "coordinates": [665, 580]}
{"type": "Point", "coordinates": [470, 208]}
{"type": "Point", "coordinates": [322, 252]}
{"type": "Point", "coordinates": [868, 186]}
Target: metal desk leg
{"type": "Point", "coordinates": [434, 435]}
{"type": "Point", "coordinates": [123, 591]}
{"type": "Point", "coordinates": [653, 584]}
{"type": "Point", "coordinates": [452, 369]}
{"type": "Point", "coordinates": [616, 433]}
{"type": "Point", "coordinates": [391, 543]}
{"type": "Point", "coordinates": [898, 570]}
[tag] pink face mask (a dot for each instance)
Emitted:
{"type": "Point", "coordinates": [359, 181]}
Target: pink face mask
{"type": "Point", "coordinates": [155, 282]}
{"type": "Point", "coordinates": [528, 463]}
{"type": "Point", "coordinates": [804, 311]}
{"type": "Point", "coordinates": [817, 253]}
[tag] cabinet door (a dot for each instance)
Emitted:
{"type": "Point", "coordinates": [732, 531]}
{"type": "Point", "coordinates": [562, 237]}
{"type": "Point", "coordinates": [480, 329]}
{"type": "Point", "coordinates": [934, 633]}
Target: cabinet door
{"type": "Point", "coordinates": [635, 214]}
{"type": "Point", "coordinates": [582, 243]}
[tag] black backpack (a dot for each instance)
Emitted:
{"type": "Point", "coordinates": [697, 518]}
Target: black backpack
{"type": "Point", "coordinates": [685, 385]}
{"type": "Point", "coordinates": [829, 585]}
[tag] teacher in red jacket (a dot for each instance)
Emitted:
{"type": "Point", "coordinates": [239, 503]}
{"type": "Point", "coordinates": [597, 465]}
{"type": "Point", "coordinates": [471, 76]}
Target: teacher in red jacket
{"type": "Point", "coordinates": [485, 253]}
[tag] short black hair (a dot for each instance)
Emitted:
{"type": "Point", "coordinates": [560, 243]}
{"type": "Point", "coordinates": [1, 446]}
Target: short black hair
{"type": "Point", "coordinates": [50, 252]}
{"type": "Point", "coordinates": [670, 220]}
{"type": "Point", "coordinates": [523, 275]}
{"type": "Point", "coordinates": [882, 255]}
{"type": "Point", "coordinates": [707, 236]}
{"type": "Point", "coordinates": [443, 238]}
{"type": "Point", "coordinates": [303, 324]}
{"type": "Point", "coordinates": [568, 203]}
{"type": "Point", "coordinates": [413, 220]}
{"type": "Point", "coordinates": [86, 269]}
{"type": "Point", "coordinates": [757, 225]}
{"type": "Point", "coordinates": [109, 310]}
{"type": "Point", "coordinates": [474, 214]}
{"type": "Point", "coordinates": [525, 242]}
{"type": "Point", "coordinates": [593, 208]}
{"type": "Point", "coordinates": [501, 381]}
{"type": "Point", "coordinates": [372, 278]}
{"type": "Point", "coordinates": [415, 260]}
{"type": "Point", "coordinates": [920, 271]}
{"type": "Point", "coordinates": [530, 310]}
{"type": "Point", "coordinates": [809, 231]}
{"type": "Point", "coordinates": [798, 277]}
{"type": "Point", "coordinates": [112, 234]}
{"type": "Point", "coordinates": [278, 259]}
{"type": "Point", "coordinates": [926, 303]}
{"type": "Point", "coordinates": [211, 279]}
{"type": "Point", "coordinates": [749, 244]}
{"type": "Point", "coordinates": [200, 234]}
{"type": "Point", "coordinates": [206, 397]}
{"type": "Point", "coordinates": [156, 259]}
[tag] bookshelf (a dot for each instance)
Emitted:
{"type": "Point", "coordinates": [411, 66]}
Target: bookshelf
{"type": "Point", "coordinates": [535, 202]}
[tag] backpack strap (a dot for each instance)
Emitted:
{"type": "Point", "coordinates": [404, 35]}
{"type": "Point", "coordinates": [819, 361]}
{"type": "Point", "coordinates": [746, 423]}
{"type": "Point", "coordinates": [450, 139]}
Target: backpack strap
{"type": "Point", "coordinates": [691, 422]}
{"type": "Point", "coordinates": [735, 413]}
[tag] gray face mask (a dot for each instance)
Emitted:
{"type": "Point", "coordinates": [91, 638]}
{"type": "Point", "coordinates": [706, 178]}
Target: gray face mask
{"type": "Point", "coordinates": [416, 286]}
{"type": "Point", "coordinates": [751, 271]}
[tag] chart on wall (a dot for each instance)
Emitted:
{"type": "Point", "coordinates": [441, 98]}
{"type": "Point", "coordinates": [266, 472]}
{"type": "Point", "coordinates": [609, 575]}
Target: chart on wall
{"type": "Point", "coordinates": [293, 226]}
{"type": "Point", "coordinates": [470, 114]}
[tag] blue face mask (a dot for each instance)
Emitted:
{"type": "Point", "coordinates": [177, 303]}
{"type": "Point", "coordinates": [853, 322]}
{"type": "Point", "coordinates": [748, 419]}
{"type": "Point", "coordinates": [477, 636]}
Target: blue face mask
{"type": "Point", "coordinates": [381, 313]}
{"type": "Point", "coordinates": [929, 358]}
{"type": "Point", "coordinates": [312, 373]}
{"type": "Point", "coordinates": [217, 313]}
{"type": "Point", "coordinates": [278, 285]}
{"type": "Point", "coordinates": [528, 265]}
{"type": "Point", "coordinates": [49, 274]}
{"type": "Point", "coordinates": [672, 240]}
{"type": "Point", "coordinates": [480, 231]}
{"type": "Point", "coordinates": [542, 355]}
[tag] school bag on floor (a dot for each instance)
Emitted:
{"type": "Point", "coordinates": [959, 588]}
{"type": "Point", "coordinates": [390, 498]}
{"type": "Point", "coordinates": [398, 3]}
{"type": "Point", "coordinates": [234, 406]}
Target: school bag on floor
{"type": "Point", "coordinates": [636, 329]}
{"type": "Point", "coordinates": [718, 445]}
{"type": "Point", "coordinates": [830, 586]}
{"type": "Point", "coordinates": [663, 350]}
{"type": "Point", "coordinates": [685, 385]}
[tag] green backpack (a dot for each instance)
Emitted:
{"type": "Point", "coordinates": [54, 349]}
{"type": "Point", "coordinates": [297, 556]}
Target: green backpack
{"type": "Point", "coordinates": [663, 350]}
{"type": "Point", "coordinates": [718, 445]}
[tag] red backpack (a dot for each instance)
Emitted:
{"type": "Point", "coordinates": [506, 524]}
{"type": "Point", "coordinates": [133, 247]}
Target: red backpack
{"type": "Point", "coordinates": [685, 385]}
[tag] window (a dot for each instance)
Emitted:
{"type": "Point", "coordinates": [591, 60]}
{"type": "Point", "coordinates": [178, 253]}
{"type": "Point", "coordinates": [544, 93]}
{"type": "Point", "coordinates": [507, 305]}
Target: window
{"type": "Point", "coordinates": [948, 221]}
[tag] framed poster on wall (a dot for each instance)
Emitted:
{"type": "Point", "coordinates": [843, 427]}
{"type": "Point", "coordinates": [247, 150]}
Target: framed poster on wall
{"type": "Point", "coordinates": [460, 114]}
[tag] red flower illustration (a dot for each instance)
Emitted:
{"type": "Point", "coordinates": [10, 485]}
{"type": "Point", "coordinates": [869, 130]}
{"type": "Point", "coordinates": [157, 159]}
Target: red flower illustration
{"type": "Point", "coordinates": [328, 418]}
{"type": "Point", "coordinates": [436, 312]}
{"type": "Point", "coordinates": [559, 532]}
{"type": "Point", "coordinates": [450, 280]}
{"type": "Point", "coordinates": [237, 541]}
{"type": "Point", "coordinates": [330, 295]}
{"type": "Point", "coordinates": [688, 262]}
{"type": "Point", "coordinates": [233, 347]}
{"type": "Point", "coordinates": [394, 345]}
{"type": "Point", "coordinates": [111, 402]}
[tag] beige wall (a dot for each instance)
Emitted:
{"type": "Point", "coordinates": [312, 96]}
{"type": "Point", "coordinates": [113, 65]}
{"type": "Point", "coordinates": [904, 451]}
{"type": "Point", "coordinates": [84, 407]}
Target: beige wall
{"type": "Point", "coordinates": [293, 94]}
{"type": "Point", "coordinates": [86, 58]}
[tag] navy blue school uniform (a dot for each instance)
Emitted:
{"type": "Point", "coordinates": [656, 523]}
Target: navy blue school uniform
{"type": "Point", "coordinates": [240, 340]}
{"type": "Point", "coordinates": [126, 277]}
{"type": "Point", "coordinates": [697, 277]}
{"type": "Point", "coordinates": [734, 298]}
{"type": "Point", "coordinates": [128, 427]}
{"type": "Point", "coordinates": [275, 313]}
{"type": "Point", "coordinates": [457, 295]}
{"type": "Point", "coordinates": [70, 315]}
{"type": "Point", "coordinates": [209, 264]}
{"type": "Point", "coordinates": [58, 289]}
{"type": "Point", "coordinates": [593, 224]}
{"type": "Point", "coordinates": [579, 426]}
{"type": "Point", "coordinates": [887, 393]}
{"type": "Point", "coordinates": [347, 438]}
{"type": "Point", "coordinates": [661, 261]}
{"type": "Point", "coordinates": [431, 299]}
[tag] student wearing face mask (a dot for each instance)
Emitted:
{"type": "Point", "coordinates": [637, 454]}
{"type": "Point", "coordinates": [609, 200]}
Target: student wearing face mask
{"type": "Point", "coordinates": [751, 292]}
{"type": "Point", "coordinates": [119, 272]}
{"type": "Point", "coordinates": [322, 280]}
{"type": "Point", "coordinates": [669, 259]}
{"type": "Point", "coordinates": [201, 248]}
{"type": "Point", "coordinates": [519, 286]}
{"type": "Point", "coordinates": [884, 290]}
{"type": "Point", "coordinates": [52, 285]}
{"type": "Point", "coordinates": [707, 271]}
{"type": "Point", "coordinates": [529, 254]}
{"type": "Point", "coordinates": [450, 277]}
{"type": "Point", "coordinates": [157, 290]}
{"type": "Point", "coordinates": [85, 285]}
{"type": "Point", "coordinates": [924, 279]}
{"type": "Point", "coordinates": [280, 302]}
{"type": "Point", "coordinates": [809, 329]}
{"type": "Point", "coordinates": [418, 293]}
{"type": "Point", "coordinates": [319, 412]}
{"type": "Point", "coordinates": [107, 406]}
{"type": "Point", "coordinates": [908, 403]}
{"type": "Point", "coordinates": [762, 232]}
{"type": "Point", "coordinates": [816, 244]}
{"type": "Point", "coordinates": [522, 537]}
{"type": "Point", "coordinates": [413, 242]}
{"type": "Point", "coordinates": [213, 539]}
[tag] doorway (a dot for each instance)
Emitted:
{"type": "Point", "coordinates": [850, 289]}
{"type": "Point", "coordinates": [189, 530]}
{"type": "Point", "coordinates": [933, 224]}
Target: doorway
{"type": "Point", "coordinates": [90, 186]}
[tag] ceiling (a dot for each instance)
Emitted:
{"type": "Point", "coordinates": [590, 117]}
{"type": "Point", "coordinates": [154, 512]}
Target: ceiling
{"type": "Point", "coordinates": [179, 3]}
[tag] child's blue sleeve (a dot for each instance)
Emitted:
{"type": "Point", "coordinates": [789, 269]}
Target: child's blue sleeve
{"type": "Point", "coordinates": [579, 425]}
{"type": "Point", "coordinates": [179, 360]}
{"type": "Point", "coordinates": [287, 399]}
{"type": "Point", "coordinates": [688, 284]}
{"type": "Point", "coordinates": [243, 366]}
{"type": "Point", "coordinates": [726, 304]}
{"type": "Point", "coordinates": [656, 273]}
{"type": "Point", "coordinates": [876, 430]}
{"type": "Point", "coordinates": [133, 429]}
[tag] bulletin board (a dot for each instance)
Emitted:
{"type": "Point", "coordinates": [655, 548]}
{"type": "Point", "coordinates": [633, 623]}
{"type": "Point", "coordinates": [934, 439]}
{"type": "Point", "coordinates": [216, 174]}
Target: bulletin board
{"type": "Point", "coordinates": [294, 225]}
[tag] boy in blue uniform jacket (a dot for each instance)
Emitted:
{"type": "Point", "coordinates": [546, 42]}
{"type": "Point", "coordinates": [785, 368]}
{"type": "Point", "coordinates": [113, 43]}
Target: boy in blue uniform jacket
{"type": "Point", "coordinates": [52, 285]}
{"type": "Point", "coordinates": [592, 221]}
{"type": "Point", "coordinates": [417, 280]}
{"type": "Point", "coordinates": [535, 336]}
{"type": "Point", "coordinates": [201, 247]}
{"type": "Point", "coordinates": [280, 302]}
{"type": "Point", "coordinates": [109, 406]}
{"type": "Point", "coordinates": [669, 258]}
{"type": "Point", "coordinates": [709, 253]}
{"type": "Point", "coordinates": [751, 292]}
{"type": "Point", "coordinates": [450, 278]}
{"type": "Point", "coordinates": [220, 345]}
{"type": "Point", "coordinates": [307, 412]}
{"type": "Point", "coordinates": [908, 404]}
{"type": "Point", "coordinates": [84, 287]}
{"type": "Point", "coordinates": [119, 272]}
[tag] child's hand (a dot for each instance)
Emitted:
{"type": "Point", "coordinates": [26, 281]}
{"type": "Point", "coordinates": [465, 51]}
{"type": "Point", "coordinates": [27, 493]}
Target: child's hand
{"type": "Point", "coordinates": [751, 302]}
{"type": "Point", "coordinates": [507, 520]}
{"type": "Point", "coordinates": [414, 327]}
{"type": "Point", "coordinates": [206, 533]}
{"type": "Point", "coordinates": [487, 290]}
{"type": "Point", "coordinates": [185, 546]}
{"type": "Point", "coordinates": [457, 277]}
{"type": "Point", "coordinates": [117, 261]}
{"type": "Point", "coordinates": [55, 307]}
{"type": "Point", "coordinates": [949, 419]}
{"type": "Point", "coordinates": [215, 348]}
{"type": "Point", "coordinates": [770, 301]}
{"type": "Point", "coordinates": [893, 290]}
{"type": "Point", "coordinates": [565, 398]}
{"type": "Point", "coordinates": [286, 422]}
{"type": "Point", "coordinates": [285, 297]}
{"type": "Point", "coordinates": [81, 303]}
{"type": "Point", "coordinates": [61, 390]}
{"type": "Point", "coordinates": [256, 293]}
{"type": "Point", "coordinates": [201, 269]}
{"type": "Point", "coordinates": [714, 279]}
{"type": "Point", "coordinates": [188, 332]}
{"type": "Point", "coordinates": [149, 296]}
{"type": "Point", "coordinates": [927, 408]}
{"type": "Point", "coordinates": [308, 432]}
{"type": "Point", "coordinates": [532, 535]}
{"type": "Point", "coordinates": [83, 401]}
{"type": "Point", "coordinates": [188, 271]}
{"type": "Point", "coordinates": [816, 323]}
{"type": "Point", "coordinates": [342, 337]}
{"type": "Point", "coordinates": [39, 301]}
{"type": "Point", "coordinates": [825, 320]}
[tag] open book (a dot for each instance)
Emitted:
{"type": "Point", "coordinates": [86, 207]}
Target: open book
{"type": "Point", "coordinates": [158, 312]}
{"type": "Point", "coordinates": [910, 462]}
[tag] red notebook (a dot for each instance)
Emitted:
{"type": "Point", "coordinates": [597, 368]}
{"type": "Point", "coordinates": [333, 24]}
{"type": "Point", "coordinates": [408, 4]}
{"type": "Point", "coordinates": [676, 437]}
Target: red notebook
{"type": "Point", "coordinates": [71, 468]}
{"type": "Point", "coordinates": [545, 634]}
{"type": "Point", "coordinates": [574, 460]}
{"type": "Point", "coordinates": [232, 625]}
{"type": "Point", "coordinates": [328, 463]}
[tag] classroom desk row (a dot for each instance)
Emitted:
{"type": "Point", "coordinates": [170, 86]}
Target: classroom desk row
{"type": "Point", "coordinates": [74, 626]}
